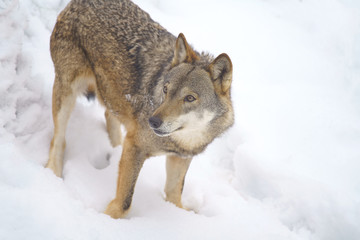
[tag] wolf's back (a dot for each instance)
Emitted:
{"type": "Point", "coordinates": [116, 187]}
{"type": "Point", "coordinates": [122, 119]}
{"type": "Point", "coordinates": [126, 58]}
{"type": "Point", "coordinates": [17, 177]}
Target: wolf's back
{"type": "Point", "coordinates": [119, 37]}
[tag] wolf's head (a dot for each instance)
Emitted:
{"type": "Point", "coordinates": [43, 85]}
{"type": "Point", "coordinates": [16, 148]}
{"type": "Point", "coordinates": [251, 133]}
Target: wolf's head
{"type": "Point", "coordinates": [196, 106]}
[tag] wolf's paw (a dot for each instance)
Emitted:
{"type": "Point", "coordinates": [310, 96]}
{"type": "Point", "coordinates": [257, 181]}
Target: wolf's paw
{"type": "Point", "coordinates": [55, 168]}
{"type": "Point", "coordinates": [190, 209]}
{"type": "Point", "coordinates": [179, 205]}
{"type": "Point", "coordinates": [115, 210]}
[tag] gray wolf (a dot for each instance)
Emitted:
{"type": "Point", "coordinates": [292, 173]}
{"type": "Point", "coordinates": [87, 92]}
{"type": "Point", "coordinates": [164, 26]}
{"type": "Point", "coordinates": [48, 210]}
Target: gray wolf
{"type": "Point", "coordinates": [171, 99]}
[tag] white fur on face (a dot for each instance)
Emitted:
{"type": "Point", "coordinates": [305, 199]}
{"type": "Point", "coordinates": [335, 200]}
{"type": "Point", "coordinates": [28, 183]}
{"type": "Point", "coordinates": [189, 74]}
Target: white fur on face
{"type": "Point", "coordinates": [193, 128]}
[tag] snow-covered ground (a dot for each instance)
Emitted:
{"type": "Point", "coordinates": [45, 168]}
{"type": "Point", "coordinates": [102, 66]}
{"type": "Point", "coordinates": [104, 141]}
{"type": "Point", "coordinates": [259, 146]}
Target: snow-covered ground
{"type": "Point", "coordinates": [288, 169]}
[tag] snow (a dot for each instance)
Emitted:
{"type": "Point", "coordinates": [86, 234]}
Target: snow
{"type": "Point", "coordinates": [288, 169]}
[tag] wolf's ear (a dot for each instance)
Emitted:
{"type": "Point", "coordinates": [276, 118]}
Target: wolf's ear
{"type": "Point", "coordinates": [183, 52]}
{"type": "Point", "coordinates": [221, 73]}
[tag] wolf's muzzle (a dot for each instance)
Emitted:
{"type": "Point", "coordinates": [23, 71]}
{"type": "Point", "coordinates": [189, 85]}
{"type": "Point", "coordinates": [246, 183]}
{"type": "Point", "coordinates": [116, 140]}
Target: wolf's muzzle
{"type": "Point", "coordinates": [155, 122]}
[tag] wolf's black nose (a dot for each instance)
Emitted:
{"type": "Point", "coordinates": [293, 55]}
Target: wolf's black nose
{"type": "Point", "coordinates": [155, 122]}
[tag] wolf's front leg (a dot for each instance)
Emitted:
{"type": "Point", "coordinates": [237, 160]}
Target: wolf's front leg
{"type": "Point", "coordinates": [113, 128]}
{"type": "Point", "coordinates": [176, 169]}
{"type": "Point", "coordinates": [131, 162]}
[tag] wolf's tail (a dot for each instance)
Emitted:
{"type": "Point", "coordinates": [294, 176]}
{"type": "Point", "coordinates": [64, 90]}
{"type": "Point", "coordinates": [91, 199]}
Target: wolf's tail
{"type": "Point", "coordinates": [90, 92]}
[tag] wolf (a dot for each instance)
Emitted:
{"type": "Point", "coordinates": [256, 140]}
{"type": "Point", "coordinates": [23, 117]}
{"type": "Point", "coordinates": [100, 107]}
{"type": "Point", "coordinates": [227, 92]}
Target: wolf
{"type": "Point", "coordinates": [171, 99]}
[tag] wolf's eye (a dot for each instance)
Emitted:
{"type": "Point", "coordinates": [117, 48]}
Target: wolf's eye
{"type": "Point", "coordinates": [189, 98]}
{"type": "Point", "coordinates": [165, 89]}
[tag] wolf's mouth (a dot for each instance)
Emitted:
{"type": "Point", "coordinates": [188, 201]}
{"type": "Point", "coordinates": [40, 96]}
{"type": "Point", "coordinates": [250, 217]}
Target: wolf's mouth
{"type": "Point", "coordinates": [161, 133]}
{"type": "Point", "coordinates": [165, 134]}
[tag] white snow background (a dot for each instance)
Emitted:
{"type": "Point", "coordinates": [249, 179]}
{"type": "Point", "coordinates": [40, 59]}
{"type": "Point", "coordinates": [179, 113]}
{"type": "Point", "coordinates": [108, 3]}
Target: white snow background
{"type": "Point", "coordinates": [288, 169]}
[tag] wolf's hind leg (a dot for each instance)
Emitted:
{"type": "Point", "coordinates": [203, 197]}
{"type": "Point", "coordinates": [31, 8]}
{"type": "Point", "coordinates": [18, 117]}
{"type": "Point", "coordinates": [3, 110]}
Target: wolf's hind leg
{"type": "Point", "coordinates": [176, 169]}
{"type": "Point", "coordinates": [113, 128]}
{"type": "Point", "coordinates": [63, 104]}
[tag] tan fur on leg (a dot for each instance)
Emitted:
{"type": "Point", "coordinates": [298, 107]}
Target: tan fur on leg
{"type": "Point", "coordinates": [131, 162]}
{"type": "Point", "coordinates": [176, 169]}
{"type": "Point", "coordinates": [62, 108]}
{"type": "Point", "coordinates": [113, 128]}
